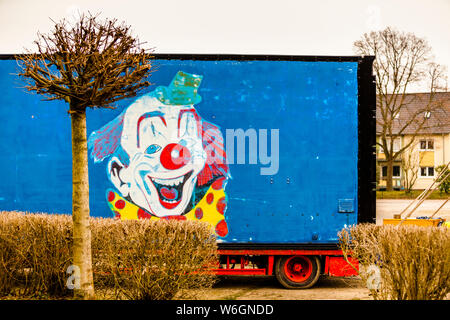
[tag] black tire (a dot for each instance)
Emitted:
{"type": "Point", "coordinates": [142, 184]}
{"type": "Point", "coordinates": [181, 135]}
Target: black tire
{"type": "Point", "coordinates": [297, 272]}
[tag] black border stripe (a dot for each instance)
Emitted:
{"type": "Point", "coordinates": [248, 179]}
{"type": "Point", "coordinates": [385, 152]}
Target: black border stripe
{"type": "Point", "coordinates": [278, 246]}
{"type": "Point", "coordinates": [366, 142]}
{"type": "Point", "coordinates": [238, 57]}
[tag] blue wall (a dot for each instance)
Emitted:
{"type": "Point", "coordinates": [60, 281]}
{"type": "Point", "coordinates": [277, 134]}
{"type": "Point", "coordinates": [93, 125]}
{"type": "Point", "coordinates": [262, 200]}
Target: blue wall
{"type": "Point", "coordinates": [313, 104]}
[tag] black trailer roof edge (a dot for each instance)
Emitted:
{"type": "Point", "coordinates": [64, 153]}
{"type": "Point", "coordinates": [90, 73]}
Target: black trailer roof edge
{"type": "Point", "coordinates": [238, 57]}
{"type": "Point", "coordinates": [278, 246]}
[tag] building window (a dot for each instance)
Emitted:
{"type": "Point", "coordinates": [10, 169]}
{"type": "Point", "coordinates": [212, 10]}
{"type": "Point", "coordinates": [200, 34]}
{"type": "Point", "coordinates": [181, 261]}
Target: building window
{"type": "Point", "coordinates": [395, 171]}
{"type": "Point", "coordinates": [427, 144]}
{"type": "Point", "coordinates": [427, 171]}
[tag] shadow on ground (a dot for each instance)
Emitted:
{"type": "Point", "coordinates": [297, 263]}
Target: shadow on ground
{"type": "Point", "coordinates": [268, 288]}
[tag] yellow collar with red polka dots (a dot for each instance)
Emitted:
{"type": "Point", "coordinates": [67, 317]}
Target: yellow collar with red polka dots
{"type": "Point", "coordinates": [210, 209]}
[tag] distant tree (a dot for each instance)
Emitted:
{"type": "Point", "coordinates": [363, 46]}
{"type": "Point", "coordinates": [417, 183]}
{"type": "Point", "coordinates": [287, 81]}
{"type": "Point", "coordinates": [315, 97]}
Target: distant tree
{"type": "Point", "coordinates": [410, 165]}
{"type": "Point", "coordinates": [88, 64]}
{"type": "Point", "coordinates": [444, 179]}
{"type": "Point", "coordinates": [401, 61]}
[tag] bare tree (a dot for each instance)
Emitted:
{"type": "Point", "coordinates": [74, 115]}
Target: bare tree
{"type": "Point", "coordinates": [401, 61]}
{"type": "Point", "coordinates": [88, 64]}
{"type": "Point", "coordinates": [410, 165]}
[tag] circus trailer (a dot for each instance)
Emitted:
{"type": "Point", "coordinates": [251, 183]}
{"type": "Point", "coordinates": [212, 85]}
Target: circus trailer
{"type": "Point", "coordinates": [275, 153]}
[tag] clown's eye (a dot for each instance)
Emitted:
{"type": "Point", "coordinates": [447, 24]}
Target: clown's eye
{"type": "Point", "coordinates": [152, 149]}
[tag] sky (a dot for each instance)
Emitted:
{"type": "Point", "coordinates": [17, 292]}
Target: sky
{"type": "Point", "coordinates": [313, 27]}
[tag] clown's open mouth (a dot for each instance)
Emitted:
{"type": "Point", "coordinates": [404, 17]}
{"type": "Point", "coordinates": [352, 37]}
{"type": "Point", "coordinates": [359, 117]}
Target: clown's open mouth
{"type": "Point", "coordinates": [170, 191]}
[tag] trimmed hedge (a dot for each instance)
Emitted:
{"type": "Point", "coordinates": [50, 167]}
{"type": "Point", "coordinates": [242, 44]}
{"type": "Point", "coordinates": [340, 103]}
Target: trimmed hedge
{"type": "Point", "coordinates": [131, 259]}
{"type": "Point", "coordinates": [401, 262]}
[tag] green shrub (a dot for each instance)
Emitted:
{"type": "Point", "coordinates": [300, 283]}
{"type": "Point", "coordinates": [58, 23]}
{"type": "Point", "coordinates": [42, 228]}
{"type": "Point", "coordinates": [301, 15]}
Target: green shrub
{"type": "Point", "coordinates": [445, 184]}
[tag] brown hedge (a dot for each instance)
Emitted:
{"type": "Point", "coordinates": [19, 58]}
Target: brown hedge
{"type": "Point", "coordinates": [401, 262]}
{"type": "Point", "coordinates": [131, 259]}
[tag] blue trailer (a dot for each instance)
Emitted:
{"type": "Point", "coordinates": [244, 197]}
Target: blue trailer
{"type": "Point", "coordinates": [276, 153]}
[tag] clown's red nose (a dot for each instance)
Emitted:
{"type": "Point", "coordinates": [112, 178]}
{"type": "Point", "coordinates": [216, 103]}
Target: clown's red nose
{"type": "Point", "coordinates": [174, 156]}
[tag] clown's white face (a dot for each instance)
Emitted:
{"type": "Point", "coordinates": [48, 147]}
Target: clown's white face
{"type": "Point", "coordinates": [166, 154]}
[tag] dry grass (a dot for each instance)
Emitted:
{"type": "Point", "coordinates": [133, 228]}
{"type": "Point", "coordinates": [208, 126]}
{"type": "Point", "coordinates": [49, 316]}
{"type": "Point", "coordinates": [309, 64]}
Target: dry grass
{"type": "Point", "coordinates": [153, 259]}
{"type": "Point", "coordinates": [35, 251]}
{"type": "Point", "coordinates": [131, 259]}
{"type": "Point", "coordinates": [401, 262]}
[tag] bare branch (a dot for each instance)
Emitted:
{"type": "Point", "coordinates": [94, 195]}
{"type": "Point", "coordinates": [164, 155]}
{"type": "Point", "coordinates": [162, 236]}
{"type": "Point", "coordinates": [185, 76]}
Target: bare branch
{"type": "Point", "coordinates": [401, 60]}
{"type": "Point", "coordinates": [91, 63]}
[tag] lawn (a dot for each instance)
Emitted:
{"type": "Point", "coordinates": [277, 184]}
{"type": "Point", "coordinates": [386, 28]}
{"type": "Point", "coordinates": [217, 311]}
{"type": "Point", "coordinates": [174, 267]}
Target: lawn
{"type": "Point", "coordinates": [411, 195]}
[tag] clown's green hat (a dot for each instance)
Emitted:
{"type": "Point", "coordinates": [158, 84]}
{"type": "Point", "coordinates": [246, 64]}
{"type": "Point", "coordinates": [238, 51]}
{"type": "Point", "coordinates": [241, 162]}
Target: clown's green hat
{"type": "Point", "coordinates": [181, 91]}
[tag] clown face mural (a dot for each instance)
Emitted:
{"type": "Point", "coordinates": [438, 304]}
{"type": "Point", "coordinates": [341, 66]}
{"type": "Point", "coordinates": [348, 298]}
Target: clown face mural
{"type": "Point", "coordinates": [164, 160]}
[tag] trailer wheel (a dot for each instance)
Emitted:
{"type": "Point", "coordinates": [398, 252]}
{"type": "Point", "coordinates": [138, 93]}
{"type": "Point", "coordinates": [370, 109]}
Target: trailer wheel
{"type": "Point", "coordinates": [297, 272]}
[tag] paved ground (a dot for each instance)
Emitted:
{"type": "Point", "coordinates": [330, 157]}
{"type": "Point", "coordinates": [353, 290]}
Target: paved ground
{"type": "Point", "coordinates": [387, 208]}
{"type": "Point", "coordinates": [267, 288]}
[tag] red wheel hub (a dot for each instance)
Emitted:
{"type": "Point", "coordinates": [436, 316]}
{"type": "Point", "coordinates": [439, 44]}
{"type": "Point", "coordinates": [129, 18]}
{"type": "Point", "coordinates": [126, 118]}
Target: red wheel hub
{"type": "Point", "coordinates": [298, 268]}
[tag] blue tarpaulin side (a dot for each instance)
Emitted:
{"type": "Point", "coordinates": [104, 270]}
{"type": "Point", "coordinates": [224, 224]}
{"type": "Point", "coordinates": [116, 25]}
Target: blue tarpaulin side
{"type": "Point", "coordinates": [312, 104]}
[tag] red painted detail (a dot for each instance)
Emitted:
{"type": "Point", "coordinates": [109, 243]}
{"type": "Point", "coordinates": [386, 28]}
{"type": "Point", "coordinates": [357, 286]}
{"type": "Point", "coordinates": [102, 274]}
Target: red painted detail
{"type": "Point", "coordinates": [218, 184]}
{"type": "Point", "coordinates": [107, 139]}
{"type": "Point", "coordinates": [221, 205]}
{"type": "Point", "coordinates": [117, 215]}
{"type": "Point", "coordinates": [174, 218]}
{"type": "Point", "coordinates": [298, 268]}
{"type": "Point", "coordinates": [270, 265]}
{"type": "Point", "coordinates": [142, 214]}
{"type": "Point", "coordinates": [169, 205]}
{"type": "Point", "coordinates": [216, 165]}
{"type": "Point", "coordinates": [335, 265]}
{"type": "Point", "coordinates": [238, 272]}
{"type": "Point", "coordinates": [199, 213]}
{"type": "Point", "coordinates": [209, 198]}
{"type": "Point", "coordinates": [174, 156]}
{"type": "Point", "coordinates": [111, 196]}
{"type": "Point", "coordinates": [169, 193]}
{"type": "Point", "coordinates": [327, 263]}
{"type": "Point", "coordinates": [338, 267]}
{"type": "Point", "coordinates": [120, 204]}
{"type": "Point", "coordinates": [222, 228]}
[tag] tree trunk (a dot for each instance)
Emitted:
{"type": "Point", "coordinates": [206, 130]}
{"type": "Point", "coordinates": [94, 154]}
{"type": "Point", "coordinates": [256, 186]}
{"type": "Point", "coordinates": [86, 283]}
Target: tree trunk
{"type": "Point", "coordinates": [390, 171]}
{"type": "Point", "coordinates": [82, 256]}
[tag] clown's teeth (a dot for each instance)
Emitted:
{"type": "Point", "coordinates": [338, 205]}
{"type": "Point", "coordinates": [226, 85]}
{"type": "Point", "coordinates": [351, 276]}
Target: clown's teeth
{"type": "Point", "coordinates": [169, 201]}
{"type": "Point", "coordinates": [169, 182]}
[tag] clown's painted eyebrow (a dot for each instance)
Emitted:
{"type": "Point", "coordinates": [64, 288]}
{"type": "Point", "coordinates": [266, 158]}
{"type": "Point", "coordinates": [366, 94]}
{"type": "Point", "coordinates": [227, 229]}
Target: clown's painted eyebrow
{"type": "Point", "coordinates": [194, 113]}
{"type": "Point", "coordinates": [149, 115]}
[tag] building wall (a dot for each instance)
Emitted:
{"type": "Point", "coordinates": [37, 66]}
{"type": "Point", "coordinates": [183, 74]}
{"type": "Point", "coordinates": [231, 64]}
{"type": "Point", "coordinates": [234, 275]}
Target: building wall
{"type": "Point", "coordinates": [439, 155]}
{"type": "Point", "coordinates": [435, 158]}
